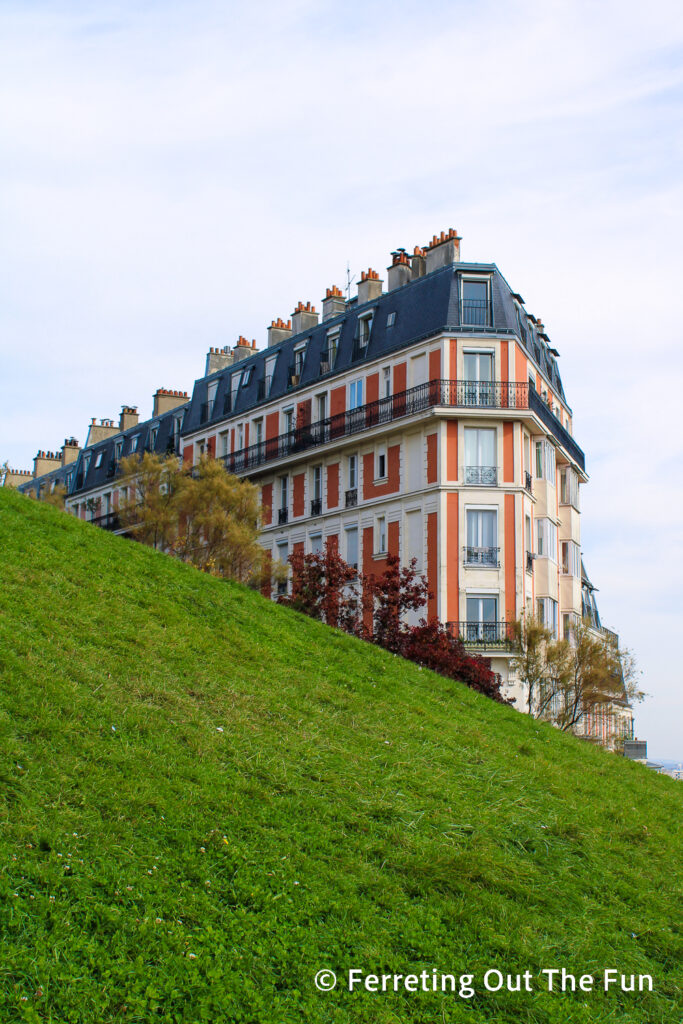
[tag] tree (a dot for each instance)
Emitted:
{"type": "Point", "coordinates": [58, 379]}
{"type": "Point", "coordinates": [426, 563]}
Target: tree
{"type": "Point", "coordinates": [218, 521]}
{"type": "Point", "coordinates": [391, 596]}
{"type": "Point", "coordinates": [151, 486]}
{"type": "Point", "coordinates": [57, 497]}
{"type": "Point", "coordinates": [204, 516]}
{"type": "Point", "coordinates": [325, 587]}
{"type": "Point", "coordinates": [568, 680]}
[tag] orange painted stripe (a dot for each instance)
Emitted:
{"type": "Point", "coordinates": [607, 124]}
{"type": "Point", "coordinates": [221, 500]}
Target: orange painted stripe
{"type": "Point", "coordinates": [435, 364]}
{"type": "Point", "coordinates": [432, 457]}
{"type": "Point", "coordinates": [452, 450]}
{"type": "Point", "coordinates": [510, 559]}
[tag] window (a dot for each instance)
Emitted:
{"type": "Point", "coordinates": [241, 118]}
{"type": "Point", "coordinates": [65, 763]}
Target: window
{"type": "Point", "coordinates": [355, 394]}
{"type": "Point", "coordinates": [98, 460]}
{"type": "Point", "coordinates": [352, 546]}
{"type": "Point", "coordinates": [211, 398]}
{"type": "Point", "coordinates": [545, 461]}
{"type": "Point", "coordinates": [386, 381]}
{"type": "Point", "coordinates": [224, 447]}
{"type": "Point", "coordinates": [364, 330]}
{"type": "Point", "coordinates": [118, 449]}
{"type": "Point", "coordinates": [381, 535]}
{"type": "Point", "coordinates": [332, 346]}
{"type": "Point", "coordinates": [546, 536]}
{"type": "Point", "coordinates": [480, 456]}
{"type": "Point", "coordinates": [482, 536]}
{"type": "Point", "coordinates": [321, 406]}
{"type": "Point", "coordinates": [288, 415]}
{"type": "Point", "coordinates": [381, 464]}
{"type": "Point", "coordinates": [247, 374]}
{"type": "Point", "coordinates": [240, 437]}
{"type": "Point", "coordinates": [234, 385]}
{"type": "Point", "coordinates": [317, 483]}
{"type": "Point", "coordinates": [391, 319]}
{"type": "Point", "coordinates": [527, 541]}
{"type": "Point", "coordinates": [546, 612]}
{"type": "Point", "coordinates": [269, 371]}
{"type": "Point", "coordinates": [86, 465]}
{"type": "Point", "coordinates": [299, 356]}
{"type": "Point", "coordinates": [284, 490]}
{"type": "Point", "coordinates": [571, 558]}
{"type": "Point", "coordinates": [134, 443]}
{"type": "Point", "coordinates": [569, 487]}
{"type": "Point", "coordinates": [258, 431]}
{"type": "Point", "coordinates": [482, 617]}
{"type": "Point", "coordinates": [478, 371]}
{"type": "Point", "coordinates": [153, 434]}
{"type": "Point", "coordinates": [316, 543]}
{"type": "Point", "coordinates": [475, 302]}
{"type": "Point", "coordinates": [282, 548]}
{"type": "Point", "coordinates": [353, 471]}
{"type": "Point", "coordinates": [177, 423]}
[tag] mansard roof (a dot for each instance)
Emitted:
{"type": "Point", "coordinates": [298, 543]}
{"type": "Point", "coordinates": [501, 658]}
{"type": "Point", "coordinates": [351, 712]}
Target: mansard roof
{"type": "Point", "coordinates": [60, 477]}
{"type": "Point", "coordinates": [423, 308]}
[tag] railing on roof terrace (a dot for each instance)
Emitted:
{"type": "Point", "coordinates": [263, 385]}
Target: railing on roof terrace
{"type": "Point", "coordinates": [537, 405]}
{"type": "Point", "coordinates": [453, 393]}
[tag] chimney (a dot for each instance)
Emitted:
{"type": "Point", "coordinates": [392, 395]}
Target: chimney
{"type": "Point", "coordinates": [418, 262]}
{"type": "Point", "coordinates": [399, 273]}
{"type": "Point", "coordinates": [218, 359]}
{"type": "Point", "coordinates": [70, 450]}
{"type": "Point", "coordinates": [304, 318]}
{"type": "Point", "coordinates": [443, 250]}
{"type": "Point", "coordinates": [333, 303]}
{"type": "Point", "coordinates": [100, 431]}
{"type": "Point", "coordinates": [16, 477]}
{"type": "Point", "coordinates": [165, 400]}
{"type": "Point", "coordinates": [369, 286]}
{"type": "Point", "coordinates": [242, 349]}
{"type": "Point", "coordinates": [45, 462]}
{"type": "Point", "coordinates": [128, 418]}
{"type": "Point", "coordinates": [279, 331]}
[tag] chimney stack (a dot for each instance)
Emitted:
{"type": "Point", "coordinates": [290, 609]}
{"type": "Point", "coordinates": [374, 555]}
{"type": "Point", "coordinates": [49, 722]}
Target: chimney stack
{"type": "Point", "coordinates": [279, 331]}
{"type": "Point", "coordinates": [333, 303]}
{"type": "Point", "coordinates": [304, 318]}
{"type": "Point", "coordinates": [165, 400]}
{"type": "Point", "coordinates": [443, 250]}
{"type": "Point", "coordinates": [399, 273]}
{"type": "Point", "coordinates": [369, 286]}
{"type": "Point", "coordinates": [418, 262]}
{"type": "Point", "coordinates": [242, 349]}
{"type": "Point", "coordinates": [128, 418]}
{"type": "Point", "coordinates": [218, 359]}
{"type": "Point", "coordinates": [45, 462]}
{"type": "Point", "coordinates": [16, 477]}
{"type": "Point", "coordinates": [100, 431]}
{"type": "Point", "coordinates": [70, 450]}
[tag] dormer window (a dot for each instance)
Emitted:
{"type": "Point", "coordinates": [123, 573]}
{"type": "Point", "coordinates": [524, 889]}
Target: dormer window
{"type": "Point", "coordinates": [299, 357]}
{"type": "Point", "coordinates": [246, 376]}
{"type": "Point", "coordinates": [86, 465]}
{"type": "Point", "coordinates": [391, 319]}
{"type": "Point", "coordinates": [476, 302]}
{"type": "Point", "coordinates": [118, 449]}
{"type": "Point", "coordinates": [364, 330]}
{"type": "Point", "coordinates": [134, 443]}
{"type": "Point", "coordinates": [98, 460]}
{"type": "Point", "coordinates": [153, 434]}
{"type": "Point", "coordinates": [211, 398]}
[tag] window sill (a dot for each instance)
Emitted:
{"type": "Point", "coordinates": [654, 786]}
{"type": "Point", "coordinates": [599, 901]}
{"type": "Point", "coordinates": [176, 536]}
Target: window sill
{"type": "Point", "coordinates": [380, 480]}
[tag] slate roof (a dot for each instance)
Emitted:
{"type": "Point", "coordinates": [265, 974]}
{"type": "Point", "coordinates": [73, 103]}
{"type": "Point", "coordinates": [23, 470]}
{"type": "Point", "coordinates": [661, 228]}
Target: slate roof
{"type": "Point", "coordinates": [423, 308]}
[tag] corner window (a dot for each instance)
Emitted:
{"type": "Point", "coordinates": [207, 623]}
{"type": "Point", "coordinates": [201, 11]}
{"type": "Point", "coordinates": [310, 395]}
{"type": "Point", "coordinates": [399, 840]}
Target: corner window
{"type": "Point", "coordinates": [482, 537]}
{"type": "Point", "coordinates": [569, 487]}
{"type": "Point", "coordinates": [545, 461]}
{"type": "Point", "coordinates": [546, 539]}
{"type": "Point", "coordinates": [480, 457]}
{"type": "Point", "coordinates": [476, 302]}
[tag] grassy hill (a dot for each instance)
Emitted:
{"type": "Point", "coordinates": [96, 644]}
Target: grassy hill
{"type": "Point", "coordinates": [207, 798]}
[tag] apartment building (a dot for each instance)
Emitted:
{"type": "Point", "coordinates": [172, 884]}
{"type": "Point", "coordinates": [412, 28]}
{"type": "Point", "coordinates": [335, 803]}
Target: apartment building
{"type": "Point", "coordinates": [426, 419]}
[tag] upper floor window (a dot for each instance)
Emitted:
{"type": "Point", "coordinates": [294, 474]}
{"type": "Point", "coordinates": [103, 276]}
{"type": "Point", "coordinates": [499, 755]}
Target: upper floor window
{"type": "Point", "coordinates": [134, 443]}
{"type": "Point", "coordinates": [571, 558]}
{"type": "Point", "coordinates": [269, 371]}
{"type": "Point", "coordinates": [386, 381]}
{"type": "Point", "coordinates": [569, 487]}
{"type": "Point", "coordinates": [478, 366]}
{"type": "Point", "coordinates": [225, 442]}
{"type": "Point", "coordinates": [331, 353]}
{"type": "Point", "coordinates": [352, 546]}
{"type": "Point", "coordinates": [288, 415]}
{"type": "Point", "coordinates": [98, 460]}
{"type": "Point", "coordinates": [234, 385]}
{"type": "Point", "coordinates": [355, 394]}
{"type": "Point", "coordinates": [480, 456]}
{"type": "Point", "coordinates": [247, 374]}
{"type": "Point", "coordinates": [482, 537]}
{"type": "Point", "coordinates": [211, 398]}
{"type": "Point", "coordinates": [381, 466]}
{"type": "Point", "coordinates": [299, 357]}
{"type": "Point", "coordinates": [546, 539]}
{"type": "Point", "coordinates": [86, 465]}
{"type": "Point", "coordinates": [364, 330]}
{"type": "Point", "coordinates": [545, 461]}
{"type": "Point", "coordinates": [321, 407]}
{"type": "Point", "coordinates": [316, 543]}
{"type": "Point", "coordinates": [476, 306]}
{"type": "Point", "coordinates": [240, 436]}
{"type": "Point", "coordinates": [353, 471]}
{"type": "Point", "coordinates": [317, 483]}
{"type": "Point", "coordinates": [391, 319]}
{"type": "Point", "coordinates": [258, 431]}
{"type": "Point", "coordinates": [153, 434]}
{"type": "Point", "coordinates": [118, 449]}
{"type": "Point", "coordinates": [381, 534]}
{"type": "Point", "coordinates": [546, 609]}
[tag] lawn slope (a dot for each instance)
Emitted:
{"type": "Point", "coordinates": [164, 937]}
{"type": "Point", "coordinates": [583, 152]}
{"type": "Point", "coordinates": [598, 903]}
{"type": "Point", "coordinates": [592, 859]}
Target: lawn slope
{"type": "Point", "coordinates": [205, 799]}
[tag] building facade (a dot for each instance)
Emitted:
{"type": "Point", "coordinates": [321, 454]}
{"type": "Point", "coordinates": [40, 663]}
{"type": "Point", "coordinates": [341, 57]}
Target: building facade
{"type": "Point", "coordinates": [427, 420]}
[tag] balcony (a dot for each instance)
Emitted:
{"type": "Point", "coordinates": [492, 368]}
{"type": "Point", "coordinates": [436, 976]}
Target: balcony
{"type": "Point", "coordinates": [550, 420]}
{"type": "Point", "coordinates": [481, 476]}
{"type": "Point", "coordinates": [316, 506]}
{"type": "Point", "coordinates": [483, 634]}
{"type": "Point", "coordinates": [293, 375]}
{"type": "Point", "coordinates": [282, 516]}
{"type": "Point", "coordinates": [476, 313]}
{"type": "Point", "coordinates": [482, 557]}
{"type": "Point", "coordinates": [108, 521]}
{"type": "Point", "coordinates": [446, 393]}
{"type": "Point", "coordinates": [351, 498]}
{"type": "Point", "coordinates": [527, 481]}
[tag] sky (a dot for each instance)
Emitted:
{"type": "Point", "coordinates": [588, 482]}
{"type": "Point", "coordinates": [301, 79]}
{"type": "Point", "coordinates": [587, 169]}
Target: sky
{"type": "Point", "coordinates": [174, 174]}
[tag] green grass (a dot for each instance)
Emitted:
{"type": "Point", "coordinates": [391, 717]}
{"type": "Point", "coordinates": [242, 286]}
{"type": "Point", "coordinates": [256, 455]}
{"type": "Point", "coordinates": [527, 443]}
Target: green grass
{"type": "Point", "coordinates": [207, 798]}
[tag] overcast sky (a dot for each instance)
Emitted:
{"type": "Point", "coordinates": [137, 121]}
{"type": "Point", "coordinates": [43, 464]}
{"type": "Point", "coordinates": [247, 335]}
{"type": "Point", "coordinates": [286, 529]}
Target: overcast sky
{"type": "Point", "coordinates": [174, 174]}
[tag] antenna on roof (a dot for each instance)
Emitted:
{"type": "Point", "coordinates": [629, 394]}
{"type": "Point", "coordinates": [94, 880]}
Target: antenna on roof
{"type": "Point", "coordinates": [349, 281]}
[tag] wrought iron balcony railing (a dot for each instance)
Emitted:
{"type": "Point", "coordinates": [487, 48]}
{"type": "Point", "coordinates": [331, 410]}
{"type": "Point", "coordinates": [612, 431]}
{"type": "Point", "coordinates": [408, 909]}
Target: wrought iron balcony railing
{"type": "Point", "coordinates": [487, 556]}
{"type": "Point", "coordinates": [448, 393]}
{"type": "Point", "coordinates": [316, 506]}
{"type": "Point", "coordinates": [351, 497]}
{"type": "Point", "coordinates": [483, 634]}
{"type": "Point", "coordinates": [282, 516]}
{"type": "Point", "coordinates": [476, 313]}
{"type": "Point", "coordinates": [538, 406]}
{"type": "Point", "coordinates": [108, 521]}
{"type": "Point", "coordinates": [481, 476]}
